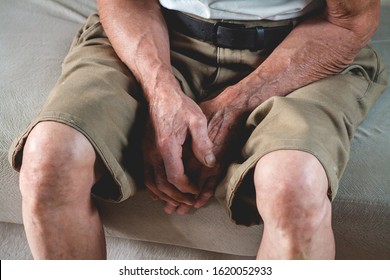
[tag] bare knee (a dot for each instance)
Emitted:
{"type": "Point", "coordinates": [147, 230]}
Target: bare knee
{"type": "Point", "coordinates": [58, 165]}
{"type": "Point", "coordinates": [291, 192]}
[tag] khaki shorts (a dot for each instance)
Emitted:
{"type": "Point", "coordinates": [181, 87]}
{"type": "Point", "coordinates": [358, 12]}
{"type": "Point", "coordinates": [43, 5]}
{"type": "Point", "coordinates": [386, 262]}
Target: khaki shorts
{"type": "Point", "coordinates": [98, 96]}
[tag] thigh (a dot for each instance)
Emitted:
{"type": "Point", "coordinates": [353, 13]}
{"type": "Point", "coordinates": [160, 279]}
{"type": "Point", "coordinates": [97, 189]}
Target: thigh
{"type": "Point", "coordinates": [98, 96]}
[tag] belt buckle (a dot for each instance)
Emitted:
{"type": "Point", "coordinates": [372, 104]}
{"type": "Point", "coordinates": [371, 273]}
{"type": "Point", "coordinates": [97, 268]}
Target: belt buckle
{"type": "Point", "coordinates": [234, 29]}
{"type": "Point", "coordinates": [217, 33]}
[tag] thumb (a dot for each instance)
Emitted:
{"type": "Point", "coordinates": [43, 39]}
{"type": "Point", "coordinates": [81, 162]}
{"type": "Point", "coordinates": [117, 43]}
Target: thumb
{"type": "Point", "coordinates": [202, 146]}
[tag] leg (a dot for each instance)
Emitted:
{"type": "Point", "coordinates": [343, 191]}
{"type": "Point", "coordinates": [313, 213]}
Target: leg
{"type": "Point", "coordinates": [58, 170]}
{"type": "Point", "coordinates": [291, 186]}
{"type": "Point", "coordinates": [291, 195]}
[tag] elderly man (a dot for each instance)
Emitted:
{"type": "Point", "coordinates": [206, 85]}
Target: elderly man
{"type": "Point", "coordinates": [253, 101]}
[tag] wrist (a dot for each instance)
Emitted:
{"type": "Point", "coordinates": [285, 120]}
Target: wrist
{"type": "Point", "coordinates": [160, 83]}
{"type": "Point", "coordinates": [244, 96]}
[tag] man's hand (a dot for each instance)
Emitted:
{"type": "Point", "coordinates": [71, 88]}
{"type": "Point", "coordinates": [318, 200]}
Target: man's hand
{"type": "Point", "coordinates": [174, 119]}
{"type": "Point", "coordinates": [226, 129]}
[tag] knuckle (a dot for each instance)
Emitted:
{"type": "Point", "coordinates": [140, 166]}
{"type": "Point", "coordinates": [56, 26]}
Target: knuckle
{"type": "Point", "coordinates": [207, 196]}
{"type": "Point", "coordinates": [162, 188]}
{"type": "Point", "coordinates": [174, 178]}
{"type": "Point", "coordinates": [199, 123]}
{"type": "Point", "coordinates": [162, 144]}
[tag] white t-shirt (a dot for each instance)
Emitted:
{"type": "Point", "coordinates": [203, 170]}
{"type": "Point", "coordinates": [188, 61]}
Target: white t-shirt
{"type": "Point", "coordinates": [244, 9]}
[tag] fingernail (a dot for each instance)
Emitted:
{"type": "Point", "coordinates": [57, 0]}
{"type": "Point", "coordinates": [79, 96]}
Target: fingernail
{"type": "Point", "coordinates": [210, 160]}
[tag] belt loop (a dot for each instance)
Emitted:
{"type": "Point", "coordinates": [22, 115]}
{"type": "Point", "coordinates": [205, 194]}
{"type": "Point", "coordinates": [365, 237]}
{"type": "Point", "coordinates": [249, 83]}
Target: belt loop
{"type": "Point", "coordinates": [260, 43]}
{"type": "Point", "coordinates": [215, 33]}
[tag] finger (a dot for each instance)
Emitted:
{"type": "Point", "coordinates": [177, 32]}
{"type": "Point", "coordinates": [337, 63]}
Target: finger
{"type": "Point", "coordinates": [153, 196]}
{"type": "Point", "coordinates": [183, 209]}
{"type": "Point", "coordinates": [150, 183]}
{"type": "Point", "coordinates": [206, 194]}
{"type": "Point", "coordinates": [163, 196]}
{"type": "Point", "coordinates": [174, 168]}
{"type": "Point", "coordinates": [170, 191]}
{"type": "Point", "coordinates": [169, 208]}
{"type": "Point", "coordinates": [202, 200]}
{"type": "Point", "coordinates": [202, 146]}
{"type": "Point", "coordinates": [163, 189]}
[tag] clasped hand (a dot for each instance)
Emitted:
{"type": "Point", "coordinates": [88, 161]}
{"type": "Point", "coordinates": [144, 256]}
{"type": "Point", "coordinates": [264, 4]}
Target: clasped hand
{"type": "Point", "coordinates": [186, 149]}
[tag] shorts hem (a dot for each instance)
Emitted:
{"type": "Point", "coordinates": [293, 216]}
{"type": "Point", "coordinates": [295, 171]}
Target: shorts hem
{"type": "Point", "coordinates": [119, 176]}
{"type": "Point", "coordinates": [226, 195]}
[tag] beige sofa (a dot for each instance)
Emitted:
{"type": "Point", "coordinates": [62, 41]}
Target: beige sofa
{"type": "Point", "coordinates": [34, 38]}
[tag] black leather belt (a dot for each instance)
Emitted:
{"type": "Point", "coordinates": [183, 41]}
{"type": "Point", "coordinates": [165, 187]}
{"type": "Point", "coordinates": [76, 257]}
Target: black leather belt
{"type": "Point", "coordinates": [227, 35]}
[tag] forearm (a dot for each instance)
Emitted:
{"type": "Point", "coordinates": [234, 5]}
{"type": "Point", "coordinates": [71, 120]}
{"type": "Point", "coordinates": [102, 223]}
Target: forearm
{"type": "Point", "coordinates": [317, 48]}
{"type": "Point", "coordinates": [139, 36]}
